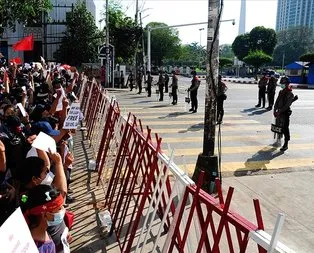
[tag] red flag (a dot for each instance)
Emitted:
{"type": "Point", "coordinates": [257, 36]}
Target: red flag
{"type": "Point", "coordinates": [25, 44]}
{"type": "Point", "coordinates": [16, 60]}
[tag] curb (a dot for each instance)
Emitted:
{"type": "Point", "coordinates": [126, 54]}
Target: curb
{"type": "Point", "coordinates": [295, 86]}
{"type": "Point", "coordinates": [239, 81]}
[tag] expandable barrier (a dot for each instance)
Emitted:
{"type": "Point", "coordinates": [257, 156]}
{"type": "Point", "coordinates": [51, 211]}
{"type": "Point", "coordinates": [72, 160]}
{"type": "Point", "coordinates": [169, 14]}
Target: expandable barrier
{"type": "Point", "coordinates": [150, 212]}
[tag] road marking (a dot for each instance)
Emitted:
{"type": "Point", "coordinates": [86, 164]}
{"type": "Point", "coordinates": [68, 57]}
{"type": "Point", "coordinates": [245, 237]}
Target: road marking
{"type": "Point", "coordinates": [244, 149]}
{"type": "Point", "coordinates": [257, 128]}
{"type": "Point", "coordinates": [199, 139]}
{"type": "Point", "coordinates": [191, 122]}
{"type": "Point", "coordinates": [258, 165]}
{"type": "Point", "coordinates": [185, 116]}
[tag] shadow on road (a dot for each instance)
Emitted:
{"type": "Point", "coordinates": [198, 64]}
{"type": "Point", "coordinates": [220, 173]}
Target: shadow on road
{"type": "Point", "coordinates": [258, 162]}
{"type": "Point", "coordinates": [254, 111]}
{"type": "Point", "coordinates": [159, 106]}
{"type": "Point", "coordinates": [193, 128]}
{"type": "Point", "coordinates": [174, 114]}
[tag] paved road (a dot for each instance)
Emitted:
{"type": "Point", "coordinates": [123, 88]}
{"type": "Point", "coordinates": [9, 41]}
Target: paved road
{"type": "Point", "coordinates": [247, 150]}
{"type": "Point", "coordinates": [246, 137]}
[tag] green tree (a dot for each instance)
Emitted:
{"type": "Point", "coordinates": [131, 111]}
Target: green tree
{"type": "Point", "coordinates": [307, 57]}
{"type": "Point", "coordinates": [260, 38]}
{"type": "Point", "coordinates": [165, 43]}
{"type": "Point", "coordinates": [21, 11]}
{"type": "Point", "coordinates": [124, 34]}
{"type": "Point", "coordinates": [224, 62]}
{"type": "Point", "coordinates": [241, 46]}
{"type": "Point", "coordinates": [225, 51]}
{"type": "Point", "coordinates": [257, 58]}
{"type": "Point", "coordinates": [264, 39]}
{"type": "Point", "coordinates": [292, 43]}
{"type": "Point", "coordinates": [82, 37]}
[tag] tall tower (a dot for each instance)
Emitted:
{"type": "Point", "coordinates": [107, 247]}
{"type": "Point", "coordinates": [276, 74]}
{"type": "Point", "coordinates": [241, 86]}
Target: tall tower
{"type": "Point", "coordinates": [242, 17]}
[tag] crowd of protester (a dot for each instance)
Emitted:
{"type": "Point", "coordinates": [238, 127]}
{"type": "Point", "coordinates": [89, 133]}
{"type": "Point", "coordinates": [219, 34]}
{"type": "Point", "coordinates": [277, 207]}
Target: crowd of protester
{"type": "Point", "coordinates": [32, 179]}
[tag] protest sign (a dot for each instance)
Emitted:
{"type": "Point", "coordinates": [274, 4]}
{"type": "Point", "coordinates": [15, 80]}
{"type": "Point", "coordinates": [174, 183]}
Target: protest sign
{"type": "Point", "coordinates": [45, 142]}
{"type": "Point", "coordinates": [20, 106]}
{"type": "Point", "coordinates": [73, 117]}
{"type": "Point", "coordinates": [15, 235]}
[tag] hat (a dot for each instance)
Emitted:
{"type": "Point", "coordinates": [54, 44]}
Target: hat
{"type": "Point", "coordinates": [44, 126]}
{"type": "Point", "coordinates": [285, 80]}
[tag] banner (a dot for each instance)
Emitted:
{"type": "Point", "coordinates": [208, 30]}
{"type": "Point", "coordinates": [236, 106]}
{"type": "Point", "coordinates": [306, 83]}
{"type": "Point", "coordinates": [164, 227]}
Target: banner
{"type": "Point", "coordinates": [73, 117]}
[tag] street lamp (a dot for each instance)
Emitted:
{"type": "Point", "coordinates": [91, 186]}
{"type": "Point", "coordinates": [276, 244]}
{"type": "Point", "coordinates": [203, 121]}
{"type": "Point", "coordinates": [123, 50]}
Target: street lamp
{"type": "Point", "coordinates": [150, 29]}
{"type": "Point", "coordinates": [200, 62]}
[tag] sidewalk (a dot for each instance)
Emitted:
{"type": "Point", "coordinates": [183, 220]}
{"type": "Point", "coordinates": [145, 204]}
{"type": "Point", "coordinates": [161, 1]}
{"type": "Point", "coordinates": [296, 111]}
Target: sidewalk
{"type": "Point", "coordinates": [253, 81]}
{"type": "Point", "coordinates": [290, 193]}
{"type": "Point", "coordinates": [88, 236]}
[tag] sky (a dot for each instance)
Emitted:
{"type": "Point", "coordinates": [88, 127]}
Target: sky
{"type": "Point", "coordinates": [176, 12]}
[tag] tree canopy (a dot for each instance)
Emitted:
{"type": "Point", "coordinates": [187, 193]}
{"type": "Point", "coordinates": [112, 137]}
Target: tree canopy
{"type": "Point", "coordinates": [225, 51]}
{"type": "Point", "coordinates": [189, 55]}
{"type": "Point", "coordinates": [307, 58]}
{"type": "Point", "coordinates": [165, 43]}
{"type": "Point", "coordinates": [21, 11]}
{"type": "Point", "coordinates": [82, 37]}
{"type": "Point", "coordinates": [124, 34]}
{"type": "Point", "coordinates": [259, 39]}
{"type": "Point", "coordinates": [224, 62]}
{"type": "Point", "coordinates": [293, 43]}
{"type": "Point", "coordinates": [257, 58]}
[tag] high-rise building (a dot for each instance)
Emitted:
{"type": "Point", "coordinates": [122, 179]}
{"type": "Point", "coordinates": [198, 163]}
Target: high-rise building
{"type": "Point", "coordinates": [242, 17]}
{"type": "Point", "coordinates": [291, 13]}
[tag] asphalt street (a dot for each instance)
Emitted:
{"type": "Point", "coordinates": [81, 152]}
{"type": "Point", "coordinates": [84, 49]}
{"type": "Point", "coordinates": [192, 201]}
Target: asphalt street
{"type": "Point", "coordinates": [247, 142]}
{"type": "Point", "coordinates": [283, 182]}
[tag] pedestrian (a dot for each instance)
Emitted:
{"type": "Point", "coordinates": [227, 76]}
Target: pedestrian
{"type": "Point", "coordinates": [149, 83]}
{"type": "Point", "coordinates": [262, 90]}
{"type": "Point", "coordinates": [271, 91]}
{"type": "Point", "coordinates": [161, 84]}
{"type": "Point", "coordinates": [282, 111]}
{"type": "Point", "coordinates": [174, 88]}
{"type": "Point", "coordinates": [139, 80]}
{"type": "Point", "coordinates": [195, 83]}
{"type": "Point", "coordinates": [122, 78]}
{"type": "Point", "coordinates": [130, 81]}
{"type": "Point", "coordinates": [221, 97]}
{"type": "Point", "coordinates": [166, 82]}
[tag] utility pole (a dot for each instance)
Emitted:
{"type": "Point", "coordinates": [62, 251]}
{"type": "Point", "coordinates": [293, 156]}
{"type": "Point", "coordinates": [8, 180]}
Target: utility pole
{"type": "Point", "coordinates": [207, 161]}
{"type": "Point", "coordinates": [135, 55]}
{"type": "Point", "coordinates": [107, 45]}
{"type": "Point", "coordinates": [136, 12]}
{"type": "Point", "coordinates": [143, 48]}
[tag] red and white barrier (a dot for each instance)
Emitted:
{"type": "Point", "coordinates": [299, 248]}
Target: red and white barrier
{"type": "Point", "coordinates": [150, 212]}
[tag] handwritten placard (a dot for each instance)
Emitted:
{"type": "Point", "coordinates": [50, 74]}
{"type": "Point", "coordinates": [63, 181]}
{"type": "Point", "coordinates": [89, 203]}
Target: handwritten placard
{"type": "Point", "coordinates": [73, 117]}
{"type": "Point", "coordinates": [15, 235]}
{"type": "Point", "coordinates": [45, 142]}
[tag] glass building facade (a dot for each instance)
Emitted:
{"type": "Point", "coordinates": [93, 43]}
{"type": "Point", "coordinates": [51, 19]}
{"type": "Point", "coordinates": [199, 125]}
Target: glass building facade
{"type": "Point", "coordinates": [292, 13]}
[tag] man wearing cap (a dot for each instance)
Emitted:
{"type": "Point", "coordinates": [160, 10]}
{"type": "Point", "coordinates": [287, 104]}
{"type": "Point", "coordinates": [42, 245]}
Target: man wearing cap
{"type": "Point", "coordinates": [282, 109]}
{"type": "Point", "coordinates": [262, 90]}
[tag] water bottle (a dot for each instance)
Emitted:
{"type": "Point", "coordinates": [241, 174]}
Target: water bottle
{"type": "Point", "coordinates": [91, 165]}
{"type": "Point", "coordinates": [105, 220]}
